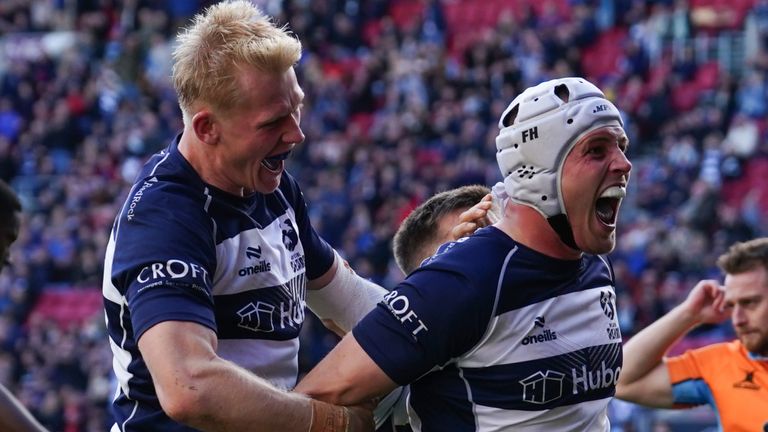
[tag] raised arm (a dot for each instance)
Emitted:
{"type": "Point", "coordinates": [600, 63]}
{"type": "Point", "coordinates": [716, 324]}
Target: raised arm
{"type": "Point", "coordinates": [202, 390]}
{"type": "Point", "coordinates": [644, 378]}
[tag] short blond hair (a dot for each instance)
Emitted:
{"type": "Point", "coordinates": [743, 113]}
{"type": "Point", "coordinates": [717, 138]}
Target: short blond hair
{"type": "Point", "coordinates": [220, 41]}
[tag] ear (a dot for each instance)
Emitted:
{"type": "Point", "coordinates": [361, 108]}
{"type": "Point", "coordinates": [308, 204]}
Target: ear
{"type": "Point", "coordinates": [206, 127]}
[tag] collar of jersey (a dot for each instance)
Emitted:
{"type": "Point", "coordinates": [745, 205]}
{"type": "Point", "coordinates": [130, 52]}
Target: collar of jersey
{"type": "Point", "coordinates": [757, 357]}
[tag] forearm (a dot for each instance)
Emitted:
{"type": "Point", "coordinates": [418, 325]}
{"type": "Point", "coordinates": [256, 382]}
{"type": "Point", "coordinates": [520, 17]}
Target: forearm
{"type": "Point", "coordinates": [14, 417]}
{"type": "Point", "coordinates": [198, 388]}
{"type": "Point", "coordinates": [346, 298]}
{"type": "Point", "coordinates": [222, 396]}
{"type": "Point", "coordinates": [346, 376]}
{"type": "Point", "coordinates": [645, 351]}
{"type": "Point", "coordinates": [226, 397]}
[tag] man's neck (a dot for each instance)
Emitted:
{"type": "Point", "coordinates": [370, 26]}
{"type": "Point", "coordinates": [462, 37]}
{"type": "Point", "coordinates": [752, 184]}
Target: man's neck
{"type": "Point", "coordinates": [527, 226]}
{"type": "Point", "coordinates": [205, 163]}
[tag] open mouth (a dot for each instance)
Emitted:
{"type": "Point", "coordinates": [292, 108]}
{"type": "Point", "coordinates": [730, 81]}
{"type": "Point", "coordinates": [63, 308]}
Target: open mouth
{"type": "Point", "coordinates": [607, 206]}
{"type": "Point", "coordinates": [275, 162]}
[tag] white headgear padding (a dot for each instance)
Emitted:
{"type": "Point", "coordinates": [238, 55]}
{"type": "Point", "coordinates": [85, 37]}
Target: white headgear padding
{"type": "Point", "coordinates": [538, 130]}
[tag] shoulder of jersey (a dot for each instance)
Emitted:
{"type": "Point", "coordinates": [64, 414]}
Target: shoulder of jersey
{"type": "Point", "coordinates": [478, 249]}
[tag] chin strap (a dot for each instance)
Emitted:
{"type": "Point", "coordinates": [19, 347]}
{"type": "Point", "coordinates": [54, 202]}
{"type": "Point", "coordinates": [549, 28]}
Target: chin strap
{"type": "Point", "coordinates": [562, 227]}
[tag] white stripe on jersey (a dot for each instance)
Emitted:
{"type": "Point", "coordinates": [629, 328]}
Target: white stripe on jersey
{"type": "Point", "coordinates": [121, 358]}
{"type": "Point", "coordinates": [120, 361]}
{"type": "Point", "coordinates": [576, 418]}
{"type": "Point", "coordinates": [109, 291]}
{"type": "Point", "coordinates": [275, 361]}
{"type": "Point", "coordinates": [133, 413]}
{"type": "Point", "coordinates": [208, 199]}
{"type": "Point", "coordinates": [573, 331]}
{"type": "Point", "coordinates": [231, 263]}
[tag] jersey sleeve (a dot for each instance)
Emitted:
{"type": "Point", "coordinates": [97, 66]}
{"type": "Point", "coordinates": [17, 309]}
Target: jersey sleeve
{"type": "Point", "coordinates": [432, 317]}
{"type": "Point", "coordinates": [686, 374]}
{"type": "Point", "coordinates": [319, 254]}
{"type": "Point", "coordinates": [164, 259]}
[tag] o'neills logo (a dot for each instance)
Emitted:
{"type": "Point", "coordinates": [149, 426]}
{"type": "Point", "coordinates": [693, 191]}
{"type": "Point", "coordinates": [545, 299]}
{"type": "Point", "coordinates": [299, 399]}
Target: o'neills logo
{"type": "Point", "coordinates": [545, 336]}
{"type": "Point", "coordinates": [262, 266]}
{"type": "Point", "coordinates": [254, 252]}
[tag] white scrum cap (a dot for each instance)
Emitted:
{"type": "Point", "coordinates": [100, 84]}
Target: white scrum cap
{"type": "Point", "coordinates": [538, 130]}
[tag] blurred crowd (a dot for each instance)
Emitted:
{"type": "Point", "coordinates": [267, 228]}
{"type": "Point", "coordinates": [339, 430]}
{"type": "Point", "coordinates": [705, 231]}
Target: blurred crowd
{"type": "Point", "coordinates": [402, 101]}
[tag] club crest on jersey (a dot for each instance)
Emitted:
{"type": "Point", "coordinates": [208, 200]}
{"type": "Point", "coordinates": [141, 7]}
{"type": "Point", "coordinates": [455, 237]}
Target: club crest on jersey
{"type": "Point", "coordinates": [606, 302]}
{"type": "Point", "coordinates": [290, 237]}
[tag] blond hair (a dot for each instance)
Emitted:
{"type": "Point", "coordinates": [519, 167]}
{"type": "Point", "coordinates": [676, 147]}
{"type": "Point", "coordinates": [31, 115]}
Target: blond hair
{"type": "Point", "coordinates": [221, 41]}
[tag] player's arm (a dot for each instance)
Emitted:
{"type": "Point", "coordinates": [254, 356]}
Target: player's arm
{"type": "Point", "coordinates": [644, 378]}
{"type": "Point", "coordinates": [395, 345]}
{"type": "Point", "coordinates": [340, 295]}
{"type": "Point", "coordinates": [14, 417]}
{"type": "Point", "coordinates": [346, 376]}
{"type": "Point", "coordinates": [204, 391]}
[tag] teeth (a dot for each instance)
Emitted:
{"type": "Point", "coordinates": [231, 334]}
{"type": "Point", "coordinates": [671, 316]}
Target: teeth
{"type": "Point", "coordinates": [270, 164]}
{"type": "Point", "coordinates": [614, 192]}
{"type": "Point", "coordinates": [273, 162]}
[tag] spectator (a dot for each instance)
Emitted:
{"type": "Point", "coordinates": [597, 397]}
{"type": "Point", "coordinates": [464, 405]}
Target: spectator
{"type": "Point", "coordinates": [729, 376]}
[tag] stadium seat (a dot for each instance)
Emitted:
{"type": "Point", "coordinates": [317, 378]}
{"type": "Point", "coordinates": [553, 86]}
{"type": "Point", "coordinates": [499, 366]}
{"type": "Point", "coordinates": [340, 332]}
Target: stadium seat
{"type": "Point", "coordinates": [67, 306]}
{"type": "Point", "coordinates": [685, 96]}
{"type": "Point", "coordinates": [601, 60]}
{"type": "Point", "coordinates": [707, 75]}
{"type": "Point", "coordinates": [406, 13]}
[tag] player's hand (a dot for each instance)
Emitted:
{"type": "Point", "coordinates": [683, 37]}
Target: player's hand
{"type": "Point", "coordinates": [361, 417]}
{"type": "Point", "coordinates": [705, 302]}
{"type": "Point", "coordinates": [472, 219]}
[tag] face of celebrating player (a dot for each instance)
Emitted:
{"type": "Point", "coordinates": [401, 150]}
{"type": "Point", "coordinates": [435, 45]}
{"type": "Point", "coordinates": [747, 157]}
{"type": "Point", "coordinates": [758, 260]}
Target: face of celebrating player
{"type": "Point", "coordinates": [256, 136]}
{"type": "Point", "coordinates": [593, 183]}
{"type": "Point", "coordinates": [746, 296]}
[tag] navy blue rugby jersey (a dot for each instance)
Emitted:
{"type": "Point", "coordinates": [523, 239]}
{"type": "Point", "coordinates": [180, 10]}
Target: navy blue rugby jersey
{"type": "Point", "coordinates": [494, 336]}
{"type": "Point", "coordinates": [182, 250]}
